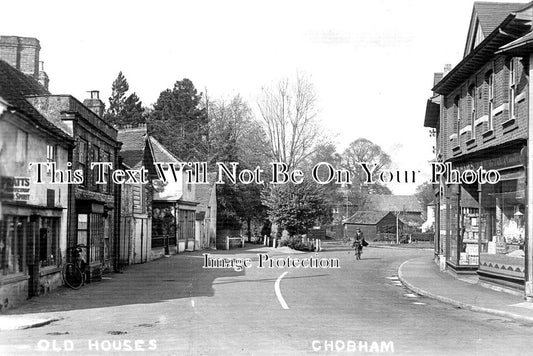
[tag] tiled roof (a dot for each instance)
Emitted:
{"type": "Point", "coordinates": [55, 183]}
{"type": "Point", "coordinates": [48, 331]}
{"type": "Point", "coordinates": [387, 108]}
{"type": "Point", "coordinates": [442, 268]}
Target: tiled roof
{"type": "Point", "coordinates": [15, 87]}
{"type": "Point", "coordinates": [203, 191]}
{"type": "Point", "coordinates": [161, 154]}
{"type": "Point", "coordinates": [133, 144]}
{"type": "Point", "coordinates": [382, 202]}
{"type": "Point", "coordinates": [367, 217]}
{"type": "Point", "coordinates": [491, 14]}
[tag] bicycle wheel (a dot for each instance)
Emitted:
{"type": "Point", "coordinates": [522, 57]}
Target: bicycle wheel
{"type": "Point", "coordinates": [72, 276]}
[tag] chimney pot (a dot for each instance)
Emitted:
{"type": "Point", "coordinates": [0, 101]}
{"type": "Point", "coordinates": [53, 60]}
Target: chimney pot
{"type": "Point", "coordinates": [447, 68]}
{"type": "Point", "coordinates": [94, 103]}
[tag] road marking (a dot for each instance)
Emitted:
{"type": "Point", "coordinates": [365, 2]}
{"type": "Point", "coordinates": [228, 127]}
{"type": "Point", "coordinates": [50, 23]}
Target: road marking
{"type": "Point", "coordinates": [410, 295]}
{"type": "Point", "coordinates": [278, 291]}
{"type": "Point", "coordinates": [419, 303]}
{"type": "Point", "coordinates": [192, 303]}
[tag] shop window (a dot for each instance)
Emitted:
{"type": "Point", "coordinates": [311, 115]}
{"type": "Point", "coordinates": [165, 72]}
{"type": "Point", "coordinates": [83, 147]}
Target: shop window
{"type": "Point", "coordinates": [163, 226]}
{"type": "Point", "coordinates": [13, 232]}
{"type": "Point", "coordinates": [96, 236]}
{"type": "Point", "coordinates": [503, 218]}
{"type": "Point", "coordinates": [49, 242]}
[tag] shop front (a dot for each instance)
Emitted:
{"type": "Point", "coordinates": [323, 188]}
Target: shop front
{"type": "Point", "coordinates": [94, 222]}
{"type": "Point", "coordinates": [486, 222]}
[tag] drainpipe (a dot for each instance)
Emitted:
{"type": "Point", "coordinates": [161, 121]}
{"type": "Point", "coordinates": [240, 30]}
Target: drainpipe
{"type": "Point", "coordinates": [529, 177]}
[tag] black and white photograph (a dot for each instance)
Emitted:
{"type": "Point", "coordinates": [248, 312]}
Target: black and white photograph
{"type": "Point", "coordinates": [281, 177]}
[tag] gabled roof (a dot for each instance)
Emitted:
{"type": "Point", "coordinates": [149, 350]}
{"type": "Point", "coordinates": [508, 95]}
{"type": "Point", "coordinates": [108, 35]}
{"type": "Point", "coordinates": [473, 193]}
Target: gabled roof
{"type": "Point", "coordinates": [386, 203]}
{"type": "Point", "coordinates": [366, 217]}
{"type": "Point", "coordinates": [514, 24]}
{"type": "Point", "coordinates": [486, 16]}
{"type": "Point", "coordinates": [161, 154]}
{"type": "Point", "coordinates": [203, 191]}
{"type": "Point", "coordinates": [133, 144]}
{"type": "Point", "coordinates": [15, 87]}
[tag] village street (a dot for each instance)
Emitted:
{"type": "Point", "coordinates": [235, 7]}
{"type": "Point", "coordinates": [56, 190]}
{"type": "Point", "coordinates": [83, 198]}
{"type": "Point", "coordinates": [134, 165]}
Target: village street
{"type": "Point", "coordinates": [174, 306]}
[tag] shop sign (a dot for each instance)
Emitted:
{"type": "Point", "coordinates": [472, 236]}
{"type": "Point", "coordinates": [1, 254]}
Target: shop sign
{"type": "Point", "coordinates": [502, 161]}
{"type": "Point", "coordinates": [15, 188]}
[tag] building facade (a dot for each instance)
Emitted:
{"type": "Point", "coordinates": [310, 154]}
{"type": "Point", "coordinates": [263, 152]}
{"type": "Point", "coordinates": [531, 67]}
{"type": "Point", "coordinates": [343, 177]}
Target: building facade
{"type": "Point", "coordinates": [33, 216]}
{"type": "Point", "coordinates": [93, 211]}
{"type": "Point", "coordinates": [480, 115]}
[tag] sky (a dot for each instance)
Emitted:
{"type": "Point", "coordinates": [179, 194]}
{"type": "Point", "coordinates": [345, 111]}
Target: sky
{"type": "Point", "coordinates": [371, 62]}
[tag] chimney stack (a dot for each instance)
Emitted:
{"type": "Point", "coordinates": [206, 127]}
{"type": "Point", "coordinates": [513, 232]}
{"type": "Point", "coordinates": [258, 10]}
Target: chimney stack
{"type": "Point", "coordinates": [447, 68]}
{"type": "Point", "coordinates": [94, 103]}
{"type": "Point", "coordinates": [21, 53]}
{"type": "Point", "coordinates": [43, 77]}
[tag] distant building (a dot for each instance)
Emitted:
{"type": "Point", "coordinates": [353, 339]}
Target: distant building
{"type": "Point", "coordinates": [206, 213]}
{"type": "Point", "coordinates": [408, 207]}
{"type": "Point", "coordinates": [372, 224]}
{"type": "Point", "coordinates": [136, 199]}
{"type": "Point", "coordinates": [172, 205]}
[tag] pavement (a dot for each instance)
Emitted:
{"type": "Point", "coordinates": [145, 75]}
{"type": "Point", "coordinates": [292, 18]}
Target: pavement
{"type": "Point", "coordinates": [423, 276]}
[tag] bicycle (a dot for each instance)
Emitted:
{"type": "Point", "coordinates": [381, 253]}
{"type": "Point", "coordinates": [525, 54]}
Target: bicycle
{"type": "Point", "coordinates": [358, 252]}
{"type": "Point", "coordinates": [73, 273]}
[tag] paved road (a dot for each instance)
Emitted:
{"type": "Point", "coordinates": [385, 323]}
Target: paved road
{"type": "Point", "coordinates": [174, 306]}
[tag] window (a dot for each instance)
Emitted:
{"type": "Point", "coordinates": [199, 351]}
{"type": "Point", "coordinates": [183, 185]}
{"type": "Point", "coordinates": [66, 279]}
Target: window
{"type": "Point", "coordinates": [83, 233]}
{"type": "Point", "coordinates": [472, 104]}
{"type": "Point", "coordinates": [106, 188]}
{"type": "Point", "coordinates": [50, 153]}
{"type": "Point", "coordinates": [82, 158]}
{"type": "Point", "coordinates": [13, 230]}
{"type": "Point", "coordinates": [48, 242]}
{"type": "Point", "coordinates": [490, 98]}
{"type": "Point", "coordinates": [512, 88]}
{"type": "Point", "coordinates": [22, 146]}
{"type": "Point", "coordinates": [95, 158]}
{"type": "Point", "coordinates": [457, 116]}
{"type": "Point", "coordinates": [50, 156]}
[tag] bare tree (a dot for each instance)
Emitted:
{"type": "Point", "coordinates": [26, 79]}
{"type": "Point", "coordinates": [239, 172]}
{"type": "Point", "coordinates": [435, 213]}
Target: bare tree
{"type": "Point", "coordinates": [289, 117]}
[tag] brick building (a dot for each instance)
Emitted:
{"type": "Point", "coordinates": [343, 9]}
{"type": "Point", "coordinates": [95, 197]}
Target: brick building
{"type": "Point", "coordinates": [33, 217]}
{"type": "Point", "coordinates": [480, 111]}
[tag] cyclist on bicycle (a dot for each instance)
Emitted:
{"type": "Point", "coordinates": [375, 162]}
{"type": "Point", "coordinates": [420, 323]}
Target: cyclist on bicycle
{"type": "Point", "coordinates": [359, 242]}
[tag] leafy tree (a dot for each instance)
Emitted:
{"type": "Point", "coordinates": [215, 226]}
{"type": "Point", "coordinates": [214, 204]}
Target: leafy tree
{"type": "Point", "coordinates": [124, 110]}
{"type": "Point", "coordinates": [179, 121]}
{"type": "Point", "coordinates": [234, 136]}
{"type": "Point", "coordinates": [360, 151]}
{"type": "Point", "coordinates": [118, 93]}
{"type": "Point", "coordinates": [297, 207]}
